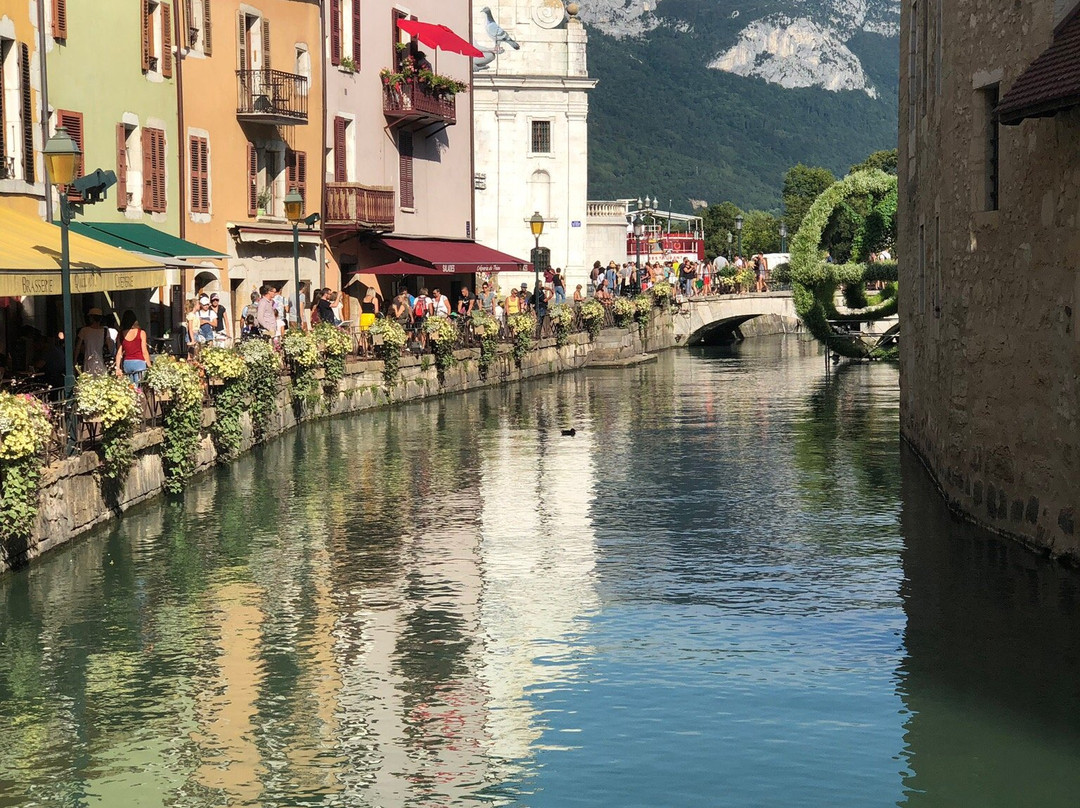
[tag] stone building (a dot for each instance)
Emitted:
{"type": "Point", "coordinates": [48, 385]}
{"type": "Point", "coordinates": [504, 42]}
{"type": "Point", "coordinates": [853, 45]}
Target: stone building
{"type": "Point", "coordinates": [989, 247]}
{"type": "Point", "coordinates": [530, 101]}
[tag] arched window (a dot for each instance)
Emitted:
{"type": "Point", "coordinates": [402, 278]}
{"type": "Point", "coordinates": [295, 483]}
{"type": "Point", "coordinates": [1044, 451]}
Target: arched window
{"type": "Point", "coordinates": [540, 193]}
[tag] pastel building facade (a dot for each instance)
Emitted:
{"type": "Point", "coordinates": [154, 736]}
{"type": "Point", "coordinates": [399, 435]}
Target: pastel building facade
{"type": "Point", "coordinates": [531, 100]}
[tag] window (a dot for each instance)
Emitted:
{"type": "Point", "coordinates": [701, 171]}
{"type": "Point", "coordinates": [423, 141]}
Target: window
{"type": "Point", "coordinates": [156, 38]}
{"type": "Point", "coordinates": [345, 32]}
{"type": "Point", "coordinates": [252, 42]}
{"type": "Point", "coordinates": [73, 122]}
{"type": "Point", "coordinates": [991, 133]}
{"type": "Point", "coordinates": [265, 170]}
{"type": "Point", "coordinates": [341, 157]}
{"type": "Point", "coordinates": [7, 169]}
{"type": "Point", "coordinates": [59, 19]}
{"type": "Point", "coordinates": [296, 172]}
{"type": "Point", "coordinates": [405, 170]}
{"type": "Point", "coordinates": [540, 142]}
{"type": "Point", "coordinates": [303, 65]}
{"type": "Point", "coordinates": [123, 165]}
{"type": "Point", "coordinates": [154, 199]}
{"type": "Point", "coordinates": [197, 24]}
{"type": "Point", "coordinates": [199, 168]}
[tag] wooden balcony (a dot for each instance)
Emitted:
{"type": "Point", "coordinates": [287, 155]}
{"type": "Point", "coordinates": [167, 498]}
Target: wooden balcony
{"type": "Point", "coordinates": [271, 97]}
{"type": "Point", "coordinates": [350, 205]}
{"type": "Point", "coordinates": [411, 105]}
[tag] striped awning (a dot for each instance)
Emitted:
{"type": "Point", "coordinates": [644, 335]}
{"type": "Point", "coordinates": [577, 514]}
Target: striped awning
{"type": "Point", "coordinates": [30, 261]}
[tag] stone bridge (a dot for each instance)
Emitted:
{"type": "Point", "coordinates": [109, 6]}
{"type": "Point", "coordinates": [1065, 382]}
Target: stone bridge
{"type": "Point", "coordinates": [705, 319]}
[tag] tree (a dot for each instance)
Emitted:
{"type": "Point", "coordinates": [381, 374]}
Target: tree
{"type": "Point", "coordinates": [802, 185]}
{"type": "Point", "coordinates": [761, 233]}
{"type": "Point", "coordinates": [884, 160]}
{"type": "Point", "coordinates": [719, 221]}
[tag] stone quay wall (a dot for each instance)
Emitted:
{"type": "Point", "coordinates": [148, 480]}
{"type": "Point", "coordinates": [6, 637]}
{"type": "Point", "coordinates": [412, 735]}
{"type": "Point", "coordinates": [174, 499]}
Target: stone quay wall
{"type": "Point", "coordinates": [988, 241]}
{"type": "Point", "coordinates": [72, 501]}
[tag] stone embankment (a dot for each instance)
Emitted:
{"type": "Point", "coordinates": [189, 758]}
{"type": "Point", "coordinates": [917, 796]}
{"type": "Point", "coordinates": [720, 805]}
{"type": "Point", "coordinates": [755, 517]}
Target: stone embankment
{"type": "Point", "coordinates": [73, 502]}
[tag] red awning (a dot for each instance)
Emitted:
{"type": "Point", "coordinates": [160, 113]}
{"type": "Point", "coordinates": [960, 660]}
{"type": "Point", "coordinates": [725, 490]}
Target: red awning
{"type": "Point", "coordinates": [446, 255]}
{"type": "Point", "coordinates": [438, 36]}
{"type": "Point", "coordinates": [402, 267]}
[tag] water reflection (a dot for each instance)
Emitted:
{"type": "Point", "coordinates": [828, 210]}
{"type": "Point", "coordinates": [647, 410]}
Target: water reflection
{"type": "Point", "coordinates": [720, 591]}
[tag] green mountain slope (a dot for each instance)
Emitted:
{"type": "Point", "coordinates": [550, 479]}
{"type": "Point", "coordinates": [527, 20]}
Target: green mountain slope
{"type": "Point", "coordinates": [664, 124]}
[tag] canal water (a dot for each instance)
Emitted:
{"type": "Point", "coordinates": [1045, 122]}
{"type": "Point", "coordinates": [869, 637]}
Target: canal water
{"type": "Point", "coordinates": [730, 588]}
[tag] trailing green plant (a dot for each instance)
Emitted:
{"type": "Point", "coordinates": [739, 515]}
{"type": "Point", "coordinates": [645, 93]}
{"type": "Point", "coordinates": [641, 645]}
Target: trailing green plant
{"type": "Point", "coordinates": [347, 64]}
{"type": "Point", "coordinates": [334, 345]}
{"type": "Point", "coordinates": [264, 373]}
{"type": "Point", "coordinates": [389, 338]}
{"type": "Point", "coordinates": [623, 310]}
{"type": "Point", "coordinates": [562, 320]}
{"type": "Point", "coordinates": [592, 315]}
{"type": "Point", "coordinates": [231, 370]}
{"type": "Point", "coordinates": [486, 328]}
{"type": "Point", "coordinates": [814, 281]}
{"type": "Point", "coordinates": [643, 307]}
{"type": "Point", "coordinates": [178, 386]}
{"type": "Point", "coordinates": [302, 354]}
{"type": "Point", "coordinates": [442, 334]}
{"type": "Point", "coordinates": [522, 327]}
{"type": "Point", "coordinates": [115, 403]}
{"type": "Point", "coordinates": [662, 295]}
{"type": "Point", "coordinates": [24, 432]}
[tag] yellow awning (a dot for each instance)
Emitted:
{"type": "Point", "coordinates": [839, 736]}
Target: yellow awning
{"type": "Point", "coordinates": [30, 261]}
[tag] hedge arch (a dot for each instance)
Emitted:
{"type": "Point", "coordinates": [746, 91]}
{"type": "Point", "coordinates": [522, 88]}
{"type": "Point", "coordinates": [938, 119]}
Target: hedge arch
{"type": "Point", "coordinates": [814, 282]}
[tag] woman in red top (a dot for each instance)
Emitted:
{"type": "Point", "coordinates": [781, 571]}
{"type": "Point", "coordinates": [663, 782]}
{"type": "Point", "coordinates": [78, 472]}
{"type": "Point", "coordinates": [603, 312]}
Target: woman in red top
{"type": "Point", "coordinates": [133, 356]}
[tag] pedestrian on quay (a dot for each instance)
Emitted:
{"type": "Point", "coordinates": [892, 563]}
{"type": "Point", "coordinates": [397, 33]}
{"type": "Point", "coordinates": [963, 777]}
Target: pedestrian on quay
{"type": "Point", "coordinates": [266, 313]}
{"type": "Point", "coordinates": [513, 303]}
{"type": "Point", "coordinates": [761, 268]}
{"type": "Point", "coordinates": [221, 314]}
{"type": "Point", "coordinates": [594, 278]}
{"type": "Point", "coordinates": [369, 309]}
{"type": "Point", "coordinates": [440, 305]}
{"type": "Point", "coordinates": [578, 296]}
{"type": "Point", "coordinates": [524, 297]}
{"type": "Point", "coordinates": [94, 344]}
{"type": "Point", "coordinates": [132, 357]}
{"type": "Point", "coordinates": [467, 302]}
{"type": "Point", "coordinates": [611, 277]}
{"type": "Point", "coordinates": [559, 286]}
{"type": "Point", "coordinates": [487, 299]}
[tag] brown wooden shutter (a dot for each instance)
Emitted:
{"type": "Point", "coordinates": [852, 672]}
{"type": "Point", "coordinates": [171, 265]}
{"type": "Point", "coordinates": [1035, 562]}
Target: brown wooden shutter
{"type": "Point", "coordinates": [405, 169]}
{"type": "Point", "coordinates": [356, 34]}
{"type": "Point", "coordinates": [166, 40]}
{"type": "Point", "coordinates": [241, 41]}
{"type": "Point", "coordinates": [253, 180]}
{"type": "Point", "coordinates": [200, 180]}
{"type": "Point", "coordinates": [187, 25]}
{"type": "Point", "coordinates": [147, 35]}
{"type": "Point", "coordinates": [341, 170]}
{"type": "Point", "coordinates": [159, 170]}
{"type": "Point", "coordinates": [296, 172]}
{"type": "Point", "coordinates": [147, 169]}
{"type": "Point", "coordinates": [59, 19]}
{"type": "Point", "coordinates": [335, 32]}
{"type": "Point", "coordinates": [27, 113]}
{"type": "Point", "coordinates": [73, 122]}
{"type": "Point", "coordinates": [206, 31]}
{"type": "Point", "coordinates": [121, 166]}
{"type": "Point", "coordinates": [265, 43]}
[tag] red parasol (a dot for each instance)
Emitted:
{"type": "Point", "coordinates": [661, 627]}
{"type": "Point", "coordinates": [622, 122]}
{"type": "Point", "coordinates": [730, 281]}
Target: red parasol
{"type": "Point", "coordinates": [439, 37]}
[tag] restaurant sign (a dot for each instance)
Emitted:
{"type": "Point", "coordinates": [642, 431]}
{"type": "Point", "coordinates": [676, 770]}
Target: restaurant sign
{"type": "Point", "coordinates": [30, 283]}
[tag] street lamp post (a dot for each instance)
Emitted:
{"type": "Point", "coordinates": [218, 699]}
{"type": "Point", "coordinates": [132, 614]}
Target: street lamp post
{"type": "Point", "coordinates": [639, 229]}
{"type": "Point", "coordinates": [738, 230]}
{"type": "Point", "coordinates": [536, 224]}
{"type": "Point", "coordinates": [783, 237]}
{"type": "Point", "coordinates": [294, 212]}
{"type": "Point", "coordinates": [61, 155]}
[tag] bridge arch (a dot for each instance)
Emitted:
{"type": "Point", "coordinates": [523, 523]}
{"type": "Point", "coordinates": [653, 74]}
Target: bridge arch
{"type": "Point", "coordinates": [703, 319]}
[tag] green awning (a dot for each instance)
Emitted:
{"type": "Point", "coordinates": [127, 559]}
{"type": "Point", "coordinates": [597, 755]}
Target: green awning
{"type": "Point", "coordinates": [142, 238]}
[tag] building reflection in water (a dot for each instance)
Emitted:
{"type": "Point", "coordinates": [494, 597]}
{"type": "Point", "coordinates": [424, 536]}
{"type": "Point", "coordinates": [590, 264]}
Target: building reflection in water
{"type": "Point", "coordinates": [989, 677]}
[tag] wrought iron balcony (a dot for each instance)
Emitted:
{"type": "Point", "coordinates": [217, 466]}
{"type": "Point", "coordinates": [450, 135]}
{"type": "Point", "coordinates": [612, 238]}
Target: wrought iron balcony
{"type": "Point", "coordinates": [351, 205]}
{"type": "Point", "coordinates": [411, 104]}
{"type": "Point", "coordinates": [271, 96]}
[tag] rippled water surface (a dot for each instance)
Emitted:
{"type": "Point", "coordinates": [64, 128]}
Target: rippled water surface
{"type": "Point", "coordinates": [731, 588]}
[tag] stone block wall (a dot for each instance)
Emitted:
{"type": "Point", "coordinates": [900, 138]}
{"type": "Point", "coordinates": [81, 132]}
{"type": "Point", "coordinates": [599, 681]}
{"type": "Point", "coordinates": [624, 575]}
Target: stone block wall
{"type": "Point", "coordinates": [990, 289]}
{"type": "Point", "coordinates": [73, 502]}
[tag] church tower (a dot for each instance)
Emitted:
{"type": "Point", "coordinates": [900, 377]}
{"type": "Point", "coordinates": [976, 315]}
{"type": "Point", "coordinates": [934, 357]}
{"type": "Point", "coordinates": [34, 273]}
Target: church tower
{"type": "Point", "coordinates": [530, 114]}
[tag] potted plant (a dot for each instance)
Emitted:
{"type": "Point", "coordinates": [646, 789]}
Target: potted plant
{"type": "Point", "coordinates": [347, 65]}
{"type": "Point", "coordinates": [262, 201]}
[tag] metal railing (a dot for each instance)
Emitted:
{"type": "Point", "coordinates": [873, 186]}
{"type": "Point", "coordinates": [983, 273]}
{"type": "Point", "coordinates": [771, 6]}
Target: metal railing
{"type": "Point", "coordinates": [349, 203]}
{"type": "Point", "coordinates": [272, 95]}
{"type": "Point", "coordinates": [410, 99]}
